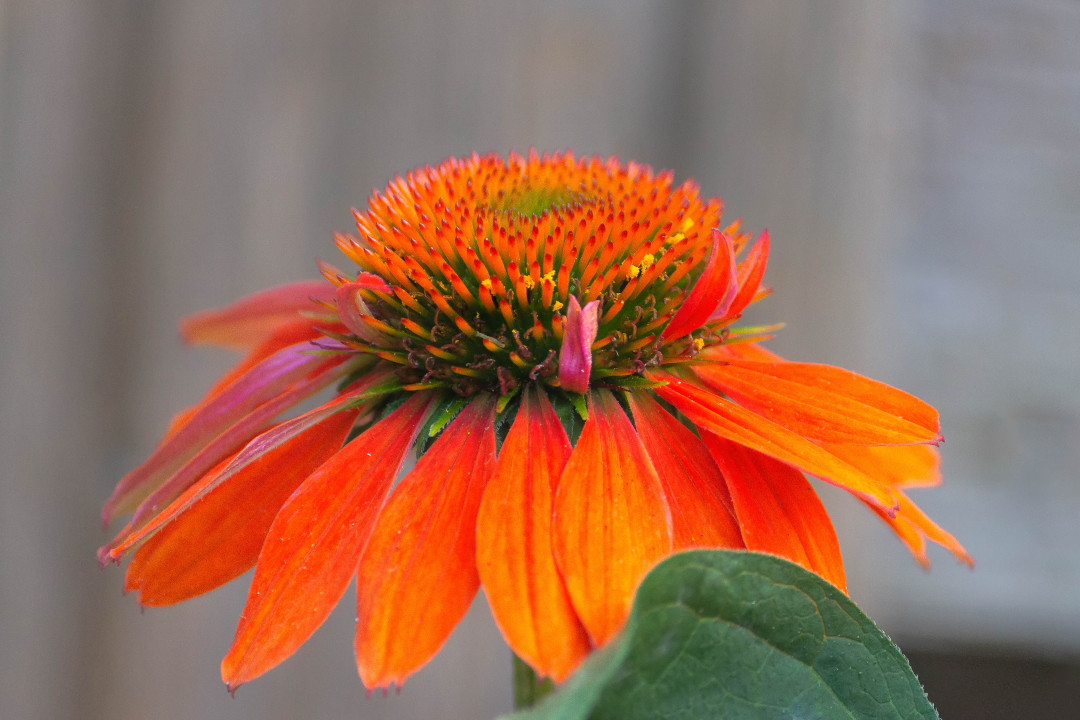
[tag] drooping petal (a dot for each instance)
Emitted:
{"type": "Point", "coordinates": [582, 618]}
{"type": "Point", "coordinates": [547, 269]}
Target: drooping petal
{"type": "Point", "coordinates": [289, 333]}
{"type": "Point", "coordinates": [236, 436]}
{"type": "Point", "coordinates": [131, 537]}
{"type": "Point", "coordinates": [514, 548]}
{"type": "Point", "coordinates": [219, 537]}
{"type": "Point", "coordinates": [702, 514]}
{"type": "Point", "coordinates": [905, 466]}
{"type": "Point", "coordinates": [712, 293]}
{"type": "Point", "coordinates": [575, 357]}
{"type": "Point", "coordinates": [314, 543]}
{"type": "Point", "coordinates": [825, 403]}
{"type": "Point", "coordinates": [914, 527]}
{"type": "Point", "coordinates": [751, 272]}
{"type": "Point", "coordinates": [721, 416]}
{"type": "Point", "coordinates": [250, 320]}
{"type": "Point", "coordinates": [612, 522]}
{"type": "Point", "coordinates": [778, 511]}
{"type": "Point", "coordinates": [418, 575]}
{"type": "Point", "coordinates": [262, 383]}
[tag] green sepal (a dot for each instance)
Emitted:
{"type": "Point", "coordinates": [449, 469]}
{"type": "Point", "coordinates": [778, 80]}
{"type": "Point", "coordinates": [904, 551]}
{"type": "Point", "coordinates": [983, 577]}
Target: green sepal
{"type": "Point", "coordinates": [580, 404]}
{"type": "Point", "coordinates": [636, 382]}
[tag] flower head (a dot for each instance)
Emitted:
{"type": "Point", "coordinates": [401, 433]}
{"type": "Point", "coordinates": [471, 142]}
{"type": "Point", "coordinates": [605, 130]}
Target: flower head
{"type": "Point", "coordinates": [555, 338]}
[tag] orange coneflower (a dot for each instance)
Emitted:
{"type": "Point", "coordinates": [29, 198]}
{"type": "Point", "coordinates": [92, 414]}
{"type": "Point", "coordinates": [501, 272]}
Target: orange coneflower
{"type": "Point", "coordinates": [554, 338]}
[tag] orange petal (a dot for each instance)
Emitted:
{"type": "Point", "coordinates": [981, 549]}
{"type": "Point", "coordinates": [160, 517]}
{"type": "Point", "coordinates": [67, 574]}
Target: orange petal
{"type": "Point", "coordinates": [901, 467]}
{"type": "Point", "coordinates": [740, 351]}
{"type": "Point", "coordinates": [721, 416]}
{"type": "Point", "coordinates": [612, 523]}
{"type": "Point", "coordinates": [712, 293]}
{"type": "Point", "coordinates": [219, 537]}
{"type": "Point", "coordinates": [418, 575]}
{"type": "Point", "coordinates": [252, 319]}
{"type": "Point", "coordinates": [778, 511]}
{"type": "Point", "coordinates": [803, 397]}
{"type": "Point", "coordinates": [513, 537]}
{"type": "Point", "coordinates": [751, 272]}
{"type": "Point", "coordinates": [314, 544]}
{"type": "Point", "coordinates": [702, 514]}
{"type": "Point", "coordinates": [914, 528]}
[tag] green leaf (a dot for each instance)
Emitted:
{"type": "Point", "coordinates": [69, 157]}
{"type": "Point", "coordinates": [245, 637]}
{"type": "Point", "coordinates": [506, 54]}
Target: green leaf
{"type": "Point", "coordinates": [732, 634]}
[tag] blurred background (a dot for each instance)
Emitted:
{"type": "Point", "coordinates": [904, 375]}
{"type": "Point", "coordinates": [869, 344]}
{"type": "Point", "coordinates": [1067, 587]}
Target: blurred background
{"type": "Point", "coordinates": [917, 164]}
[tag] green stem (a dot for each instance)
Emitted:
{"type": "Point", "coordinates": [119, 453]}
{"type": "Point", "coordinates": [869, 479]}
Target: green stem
{"type": "Point", "coordinates": [528, 688]}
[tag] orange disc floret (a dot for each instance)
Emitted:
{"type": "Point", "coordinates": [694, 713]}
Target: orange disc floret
{"type": "Point", "coordinates": [483, 256]}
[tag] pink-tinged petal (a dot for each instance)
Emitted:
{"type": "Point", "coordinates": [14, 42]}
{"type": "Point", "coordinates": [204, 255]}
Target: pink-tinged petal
{"type": "Point", "coordinates": [290, 333]}
{"type": "Point", "coordinates": [612, 522]}
{"type": "Point", "coordinates": [269, 442]}
{"type": "Point", "coordinates": [314, 543]}
{"type": "Point", "coordinates": [575, 357]}
{"type": "Point", "coordinates": [514, 553]}
{"type": "Point", "coordinates": [712, 293]}
{"type": "Point", "coordinates": [719, 415]}
{"type": "Point", "coordinates": [751, 272]}
{"type": "Point", "coordinates": [914, 527]}
{"type": "Point", "coordinates": [219, 537]}
{"type": "Point", "coordinates": [233, 438]}
{"type": "Point", "coordinates": [778, 511]}
{"type": "Point", "coordinates": [249, 321]}
{"type": "Point", "coordinates": [825, 403]}
{"type": "Point", "coordinates": [418, 576]}
{"type": "Point", "coordinates": [266, 382]}
{"type": "Point", "coordinates": [702, 514]}
{"type": "Point", "coordinates": [352, 308]}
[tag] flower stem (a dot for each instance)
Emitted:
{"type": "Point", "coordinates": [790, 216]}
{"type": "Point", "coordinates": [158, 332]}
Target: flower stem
{"type": "Point", "coordinates": [528, 688]}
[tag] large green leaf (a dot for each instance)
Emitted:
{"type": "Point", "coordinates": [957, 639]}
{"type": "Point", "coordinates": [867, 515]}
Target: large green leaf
{"type": "Point", "coordinates": [720, 634]}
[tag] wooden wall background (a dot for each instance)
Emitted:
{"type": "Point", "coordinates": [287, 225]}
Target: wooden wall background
{"type": "Point", "coordinates": [916, 162]}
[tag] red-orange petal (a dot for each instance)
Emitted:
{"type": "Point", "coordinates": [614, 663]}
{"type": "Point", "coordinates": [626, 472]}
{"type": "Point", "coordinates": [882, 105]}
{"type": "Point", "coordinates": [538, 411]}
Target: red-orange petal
{"type": "Point", "coordinates": [702, 514]}
{"type": "Point", "coordinates": [825, 403]}
{"type": "Point", "coordinates": [612, 522]}
{"type": "Point", "coordinates": [418, 575]}
{"type": "Point", "coordinates": [751, 272]}
{"type": "Point", "coordinates": [250, 320]}
{"type": "Point", "coordinates": [719, 415]}
{"type": "Point", "coordinates": [219, 536]}
{"type": "Point", "coordinates": [314, 543]}
{"type": "Point", "coordinates": [514, 548]}
{"type": "Point", "coordinates": [712, 293]}
{"type": "Point", "coordinates": [778, 511]}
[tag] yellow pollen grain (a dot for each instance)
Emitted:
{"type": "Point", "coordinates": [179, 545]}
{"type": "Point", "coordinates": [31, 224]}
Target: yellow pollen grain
{"type": "Point", "coordinates": [486, 283]}
{"type": "Point", "coordinates": [672, 239]}
{"type": "Point", "coordinates": [698, 344]}
{"type": "Point", "coordinates": [549, 276]}
{"type": "Point", "coordinates": [647, 261]}
{"type": "Point", "coordinates": [529, 284]}
{"type": "Point", "coordinates": [557, 306]}
{"type": "Point", "coordinates": [633, 272]}
{"type": "Point", "coordinates": [687, 224]}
